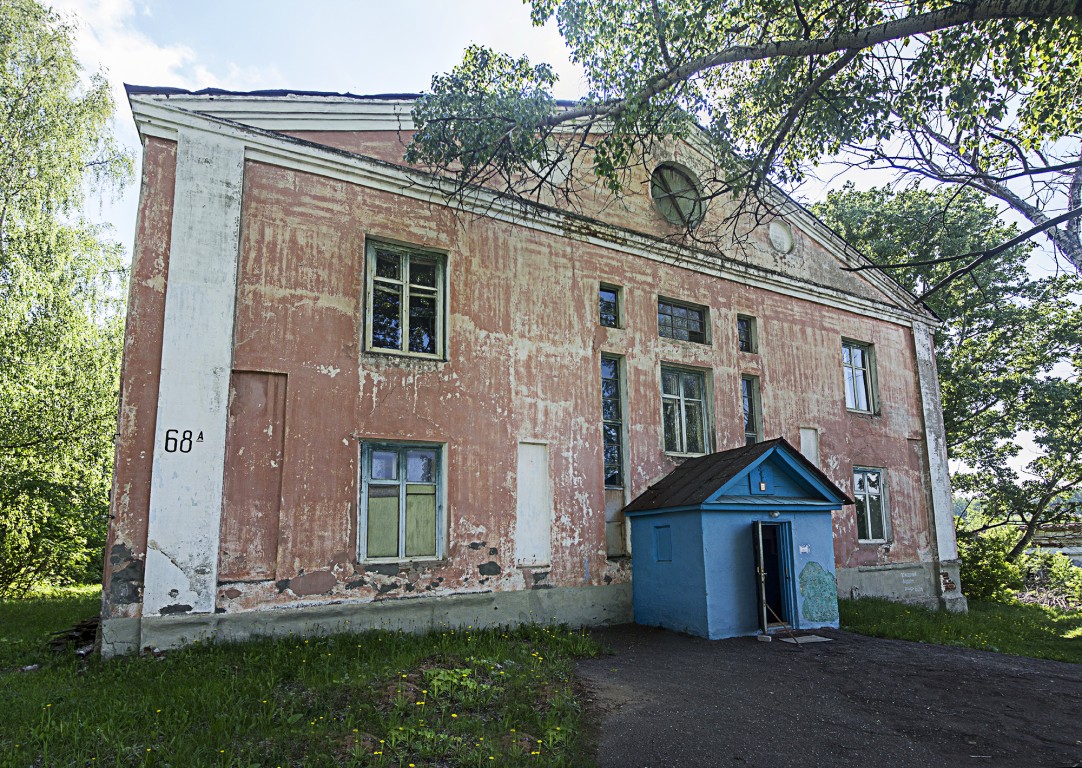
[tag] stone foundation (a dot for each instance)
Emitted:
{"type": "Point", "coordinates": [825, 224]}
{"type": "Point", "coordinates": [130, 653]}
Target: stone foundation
{"type": "Point", "coordinates": [931, 585]}
{"type": "Point", "coordinates": [577, 606]}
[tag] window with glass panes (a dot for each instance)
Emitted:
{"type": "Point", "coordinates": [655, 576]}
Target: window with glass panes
{"type": "Point", "coordinates": [857, 367]}
{"type": "Point", "coordinates": [683, 407]}
{"type": "Point", "coordinates": [745, 333]}
{"type": "Point", "coordinates": [681, 321]}
{"type": "Point", "coordinates": [405, 300]}
{"type": "Point", "coordinates": [870, 494]}
{"type": "Point", "coordinates": [749, 396]}
{"type": "Point", "coordinates": [609, 306]}
{"type": "Point", "coordinates": [612, 422]}
{"type": "Point", "coordinates": [400, 502]}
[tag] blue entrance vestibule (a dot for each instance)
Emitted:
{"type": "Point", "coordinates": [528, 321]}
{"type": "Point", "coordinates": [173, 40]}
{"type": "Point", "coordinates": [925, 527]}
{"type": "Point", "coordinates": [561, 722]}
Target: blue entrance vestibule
{"type": "Point", "coordinates": [735, 543]}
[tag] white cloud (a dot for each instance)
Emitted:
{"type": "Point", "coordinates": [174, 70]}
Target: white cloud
{"type": "Point", "coordinates": [108, 39]}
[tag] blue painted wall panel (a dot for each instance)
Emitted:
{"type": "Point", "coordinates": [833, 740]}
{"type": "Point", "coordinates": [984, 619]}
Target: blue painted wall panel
{"type": "Point", "coordinates": [670, 594]}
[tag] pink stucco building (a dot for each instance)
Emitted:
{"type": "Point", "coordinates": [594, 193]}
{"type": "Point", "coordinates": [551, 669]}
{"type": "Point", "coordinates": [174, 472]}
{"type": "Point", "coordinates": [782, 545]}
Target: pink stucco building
{"type": "Point", "coordinates": [349, 403]}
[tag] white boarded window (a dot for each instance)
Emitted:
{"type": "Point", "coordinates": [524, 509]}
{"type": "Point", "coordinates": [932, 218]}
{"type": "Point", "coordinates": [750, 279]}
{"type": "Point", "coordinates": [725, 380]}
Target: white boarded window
{"type": "Point", "coordinates": [533, 529]}
{"type": "Point", "coordinates": [809, 444]}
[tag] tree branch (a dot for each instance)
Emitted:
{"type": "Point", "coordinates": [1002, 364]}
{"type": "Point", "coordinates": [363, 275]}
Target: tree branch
{"type": "Point", "coordinates": [922, 23]}
{"type": "Point", "coordinates": [993, 252]}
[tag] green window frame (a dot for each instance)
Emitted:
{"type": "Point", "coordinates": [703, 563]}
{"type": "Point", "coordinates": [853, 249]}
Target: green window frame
{"type": "Point", "coordinates": [753, 411]}
{"type": "Point", "coordinates": [609, 300]}
{"type": "Point", "coordinates": [684, 410]}
{"type": "Point", "coordinates": [858, 367]}
{"type": "Point", "coordinates": [612, 421]}
{"type": "Point", "coordinates": [406, 301]}
{"type": "Point", "coordinates": [684, 322]}
{"type": "Point", "coordinates": [746, 336]}
{"type": "Point", "coordinates": [870, 494]}
{"type": "Point", "coordinates": [401, 509]}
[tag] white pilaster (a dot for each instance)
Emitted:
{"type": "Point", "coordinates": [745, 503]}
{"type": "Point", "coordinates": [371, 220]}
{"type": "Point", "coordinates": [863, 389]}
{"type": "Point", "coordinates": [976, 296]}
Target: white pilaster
{"type": "Point", "coordinates": [197, 354]}
{"type": "Point", "coordinates": [935, 438]}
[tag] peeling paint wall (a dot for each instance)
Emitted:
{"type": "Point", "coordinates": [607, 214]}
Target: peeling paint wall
{"type": "Point", "coordinates": [126, 545]}
{"type": "Point", "coordinates": [523, 355]}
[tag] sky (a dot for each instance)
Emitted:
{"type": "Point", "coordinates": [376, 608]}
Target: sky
{"type": "Point", "coordinates": [355, 46]}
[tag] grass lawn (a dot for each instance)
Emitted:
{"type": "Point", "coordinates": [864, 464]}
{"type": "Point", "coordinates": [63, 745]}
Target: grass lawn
{"type": "Point", "coordinates": [454, 698]}
{"type": "Point", "coordinates": [1016, 629]}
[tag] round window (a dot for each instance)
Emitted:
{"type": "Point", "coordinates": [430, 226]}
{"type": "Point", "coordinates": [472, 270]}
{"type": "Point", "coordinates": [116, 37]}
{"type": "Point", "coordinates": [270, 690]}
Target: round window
{"type": "Point", "coordinates": [676, 195]}
{"type": "Point", "coordinates": [781, 236]}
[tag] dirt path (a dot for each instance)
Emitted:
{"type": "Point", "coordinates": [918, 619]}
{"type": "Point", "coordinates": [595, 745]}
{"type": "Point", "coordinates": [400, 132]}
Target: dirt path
{"type": "Point", "coordinates": [666, 699]}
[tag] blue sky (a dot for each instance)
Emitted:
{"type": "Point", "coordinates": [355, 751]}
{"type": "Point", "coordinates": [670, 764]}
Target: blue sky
{"type": "Point", "coordinates": [359, 46]}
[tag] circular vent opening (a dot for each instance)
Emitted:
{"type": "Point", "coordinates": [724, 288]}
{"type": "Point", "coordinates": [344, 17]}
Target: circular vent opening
{"type": "Point", "coordinates": [677, 196]}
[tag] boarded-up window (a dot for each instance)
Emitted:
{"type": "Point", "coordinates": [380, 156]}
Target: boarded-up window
{"type": "Point", "coordinates": [533, 530]}
{"type": "Point", "coordinates": [400, 502]}
{"type": "Point", "coordinates": [254, 447]}
{"type": "Point", "coordinates": [809, 444]}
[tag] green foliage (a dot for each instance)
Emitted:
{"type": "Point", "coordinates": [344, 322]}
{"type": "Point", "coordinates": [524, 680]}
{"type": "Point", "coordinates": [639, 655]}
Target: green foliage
{"type": "Point", "coordinates": [720, 62]}
{"type": "Point", "coordinates": [1016, 629]}
{"type": "Point", "coordinates": [501, 100]}
{"type": "Point", "coordinates": [456, 697]}
{"type": "Point", "coordinates": [60, 315]}
{"type": "Point", "coordinates": [987, 574]}
{"type": "Point", "coordinates": [1051, 579]}
{"type": "Point", "coordinates": [1003, 332]}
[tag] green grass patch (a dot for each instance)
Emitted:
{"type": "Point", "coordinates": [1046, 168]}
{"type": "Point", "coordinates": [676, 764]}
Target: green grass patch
{"type": "Point", "coordinates": [1014, 628]}
{"type": "Point", "coordinates": [26, 623]}
{"type": "Point", "coordinates": [469, 697]}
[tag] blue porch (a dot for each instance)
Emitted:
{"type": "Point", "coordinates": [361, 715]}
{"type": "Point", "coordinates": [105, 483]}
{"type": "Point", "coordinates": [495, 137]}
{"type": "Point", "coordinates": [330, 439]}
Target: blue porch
{"type": "Point", "coordinates": [736, 543]}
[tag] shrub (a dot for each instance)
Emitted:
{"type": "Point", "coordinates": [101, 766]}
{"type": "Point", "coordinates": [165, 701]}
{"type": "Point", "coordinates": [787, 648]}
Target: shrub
{"type": "Point", "coordinates": [1051, 579]}
{"type": "Point", "coordinates": [986, 572]}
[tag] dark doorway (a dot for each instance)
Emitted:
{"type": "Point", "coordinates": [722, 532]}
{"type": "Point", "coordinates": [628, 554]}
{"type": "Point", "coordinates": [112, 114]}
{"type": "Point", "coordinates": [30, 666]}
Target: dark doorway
{"type": "Point", "coordinates": [771, 573]}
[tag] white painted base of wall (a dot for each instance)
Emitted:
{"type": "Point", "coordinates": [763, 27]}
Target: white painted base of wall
{"type": "Point", "coordinates": [577, 606]}
{"type": "Point", "coordinates": [917, 583]}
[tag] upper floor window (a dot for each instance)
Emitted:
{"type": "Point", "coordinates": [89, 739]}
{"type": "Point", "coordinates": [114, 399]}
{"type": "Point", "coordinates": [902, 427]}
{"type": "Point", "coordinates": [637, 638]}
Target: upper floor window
{"type": "Point", "coordinates": [753, 418]}
{"type": "Point", "coordinates": [858, 363]}
{"type": "Point", "coordinates": [746, 334]}
{"type": "Point", "coordinates": [400, 510]}
{"type": "Point", "coordinates": [870, 494]}
{"type": "Point", "coordinates": [684, 414]}
{"type": "Point", "coordinates": [612, 427]}
{"type": "Point", "coordinates": [681, 321]}
{"type": "Point", "coordinates": [609, 305]}
{"type": "Point", "coordinates": [612, 419]}
{"type": "Point", "coordinates": [676, 194]}
{"type": "Point", "coordinates": [405, 311]}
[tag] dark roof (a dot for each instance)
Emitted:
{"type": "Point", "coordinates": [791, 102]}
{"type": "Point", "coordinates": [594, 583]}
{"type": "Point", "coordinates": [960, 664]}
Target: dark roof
{"type": "Point", "coordinates": [154, 90]}
{"type": "Point", "coordinates": [694, 481]}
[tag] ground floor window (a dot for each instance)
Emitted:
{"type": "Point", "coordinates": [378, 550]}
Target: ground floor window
{"type": "Point", "coordinates": [400, 501]}
{"type": "Point", "coordinates": [870, 493]}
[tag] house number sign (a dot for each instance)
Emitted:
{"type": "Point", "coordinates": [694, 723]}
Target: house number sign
{"type": "Point", "coordinates": [177, 440]}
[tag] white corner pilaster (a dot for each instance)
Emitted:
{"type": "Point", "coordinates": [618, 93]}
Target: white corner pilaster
{"type": "Point", "coordinates": [935, 439]}
{"type": "Point", "coordinates": [197, 355]}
